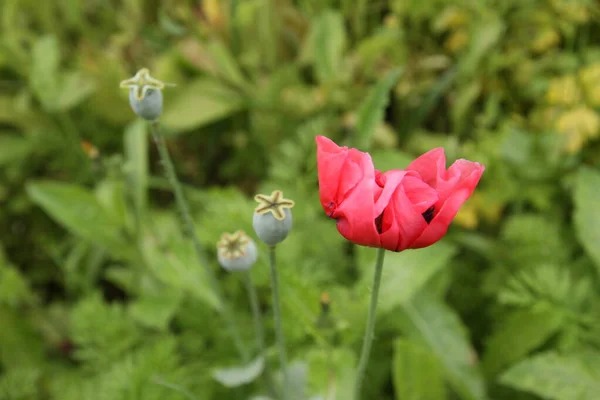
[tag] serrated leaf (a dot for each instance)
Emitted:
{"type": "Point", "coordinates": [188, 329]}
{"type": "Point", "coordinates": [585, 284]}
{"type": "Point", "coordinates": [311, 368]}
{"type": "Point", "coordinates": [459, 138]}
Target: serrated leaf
{"type": "Point", "coordinates": [101, 331]}
{"type": "Point", "coordinates": [20, 383]}
{"type": "Point", "coordinates": [199, 103]}
{"type": "Point", "coordinates": [521, 332]}
{"type": "Point", "coordinates": [238, 376]}
{"type": "Point", "coordinates": [587, 215]}
{"type": "Point", "coordinates": [416, 373]}
{"type": "Point", "coordinates": [21, 344]}
{"type": "Point", "coordinates": [554, 376]}
{"type": "Point", "coordinates": [405, 273]}
{"type": "Point", "coordinates": [372, 109]}
{"type": "Point", "coordinates": [427, 320]}
{"type": "Point", "coordinates": [79, 212]}
{"type": "Point", "coordinates": [328, 39]}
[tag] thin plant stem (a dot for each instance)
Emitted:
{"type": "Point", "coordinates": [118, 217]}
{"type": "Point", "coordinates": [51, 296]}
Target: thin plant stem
{"type": "Point", "coordinates": [184, 209]}
{"type": "Point", "coordinates": [258, 326]}
{"type": "Point", "coordinates": [277, 316]}
{"type": "Point", "coordinates": [368, 339]}
{"type": "Point", "coordinates": [253, 297]}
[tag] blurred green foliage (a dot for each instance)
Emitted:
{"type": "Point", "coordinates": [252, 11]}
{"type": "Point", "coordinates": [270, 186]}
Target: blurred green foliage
{"type": "Point", "coordinates": [100, 293]}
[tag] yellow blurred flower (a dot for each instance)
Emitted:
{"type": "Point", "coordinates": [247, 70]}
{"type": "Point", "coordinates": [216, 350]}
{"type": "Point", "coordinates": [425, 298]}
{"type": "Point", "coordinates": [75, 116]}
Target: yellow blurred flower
{"type": "Point", "coordinates": [546, 39]}
{"type": "Point", "coordinates": [391, 21]}
{"type": "Point", "coordinates": [467, 216]}
{"type": "Point", "coordinates": [479, 207]}
{"type": "Point", "coordinates": [590, 82]}
{"type": "Point", "coordinates": [563, 91]}
{"type": "Point", "coordinates": [571, 10]}
{"type": "Point", "coordinates": [450, 18]}
{"type": "Point", "coordinates": [214, 13]}
{"type": "Point", "coordinates": [578, 125]}
{"type": "Point", "coordinates": [457, 41]}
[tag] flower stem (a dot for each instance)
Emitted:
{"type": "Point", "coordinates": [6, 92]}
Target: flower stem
{"type": "Point", "coordinates": [260, 335]}
{"type": "Point", "coordinates": [277, 316]}
{"type": "Point", "coordinates": [368, 340]}
{"type": "Point", "coordinates": [184, 209]}
{"type": "Point", "coordinates": [258, 325]}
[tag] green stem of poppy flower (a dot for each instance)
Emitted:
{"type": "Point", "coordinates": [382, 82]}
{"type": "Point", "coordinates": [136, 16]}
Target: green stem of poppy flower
{"type": "Point", "coordinates": [258, 326]}
{"type": "Point", "coordinates": [368, 339]}
{"type": "Point", "coordinates": [184, 210]}
{"type": "Point", "coordinates": [253, 297]}
{"type": "Point", "coordinates": [277, 316]}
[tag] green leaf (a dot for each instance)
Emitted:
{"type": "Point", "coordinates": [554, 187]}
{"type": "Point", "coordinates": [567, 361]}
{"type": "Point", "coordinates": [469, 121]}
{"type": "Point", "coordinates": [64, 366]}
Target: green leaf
{"type": "Point", "coordinates": [14, 287]}
{"type": "Point", "coordinates": [136, 152]}
{"type": "Point", "coordinates": [20, 383]}
{"type": "Point", "coordinates": [238, 376]}
{"type": "Point", "coordinates": [101, 331]}
{"type": "Point", "coordinates": [416, 373]}
{"type": "Point", "coordinates": [429, 321]}
{"type": "Point", "coordinates": [78, 211]}
{"type": "Point", "coordinates": [587, 215]}
{"type": "Point", "coordinates": [554, 376]}
{"type": "Point", "coordinates": [405, 273]}
{"type": "Point", "coordinates": [225, 63]}
{"type": "Point", "coordinates": [21, 344]}
{"type": "Point", "coordinates": [297, 379]}
{"type": "Point", "coordinates": [521, 332]}
{"type": "Point", "coordinates": [112, 197]}
{"type": "Point", "coordinates": [172, 260]}
{"type": "Point", "coordinates": [332, 371]}
{"type": "Point", "coordinates": [14, 148]}
{"type": "Point", "coordinates": [74, 89]}
{"type": "Point", "coordinates": [156, 310]}
{"type": "Point", "coordinates": [372, 109]}
{"type": "Point", "coordinates": [487, 33]}
{"type": "Point", "coordinates": [44, 74]}
{"type": "Point", "coordinates": [199, 103]}
{"type": "Point", "coordinates": [465, 98]}
{"type": "Point", "coordinates": [328, 39]}
{"type": "Point", "coordinates": [386, 160]}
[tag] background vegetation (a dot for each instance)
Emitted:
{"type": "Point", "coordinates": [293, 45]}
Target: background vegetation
{"type": "Point", "coordinates": [100, 295]}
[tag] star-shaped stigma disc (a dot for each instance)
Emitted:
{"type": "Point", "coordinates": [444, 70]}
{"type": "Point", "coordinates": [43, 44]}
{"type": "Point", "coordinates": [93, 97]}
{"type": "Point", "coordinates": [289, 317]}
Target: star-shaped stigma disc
{"type": "Point", "coordinates": [275, 203]}
{"type": "Point", "coordinates": [233, 245]}
{"type": "Point", "coordinates": [141, 82]}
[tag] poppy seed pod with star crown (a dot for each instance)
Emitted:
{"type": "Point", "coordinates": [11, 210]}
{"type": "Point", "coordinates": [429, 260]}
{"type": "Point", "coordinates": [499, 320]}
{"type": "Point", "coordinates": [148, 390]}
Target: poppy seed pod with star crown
{"type": "Point", "coordinates": [272, 220]}
{"type": "Point", "coordinates": [236, 251]}
{"type": "Point", "coordinates": [145, 94]}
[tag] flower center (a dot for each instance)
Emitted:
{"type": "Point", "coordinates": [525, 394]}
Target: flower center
{"type": "Point", "coordinates": [428, 214]}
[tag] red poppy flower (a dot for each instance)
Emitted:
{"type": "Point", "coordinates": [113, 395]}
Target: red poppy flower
{"type": "Point", "coordinates": [397, 209]}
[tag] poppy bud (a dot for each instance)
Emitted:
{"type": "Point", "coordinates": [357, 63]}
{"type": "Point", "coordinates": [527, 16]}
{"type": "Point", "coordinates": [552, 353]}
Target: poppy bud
{"type": "Point", "coordinates": [272, 220]}
{"type": "Point", "coordinates": [236, 251]}
{"type": "Point", "coordinates": [149, 106]}
{"type": "Point", "coordinates": [145, 94]}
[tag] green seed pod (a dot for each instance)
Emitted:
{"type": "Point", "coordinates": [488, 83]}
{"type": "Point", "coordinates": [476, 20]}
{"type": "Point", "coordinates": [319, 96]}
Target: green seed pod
{"type": "Point", "coordinates": [145, 94]}
{"type": "Point", "coordinates": [236, 251]}
{"type": "Point", "coordinates": [271, 230]}
{"type": "Point", "coordinates": [272, 220]}
{"type": "Point", "coordinates": [149, 106]}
